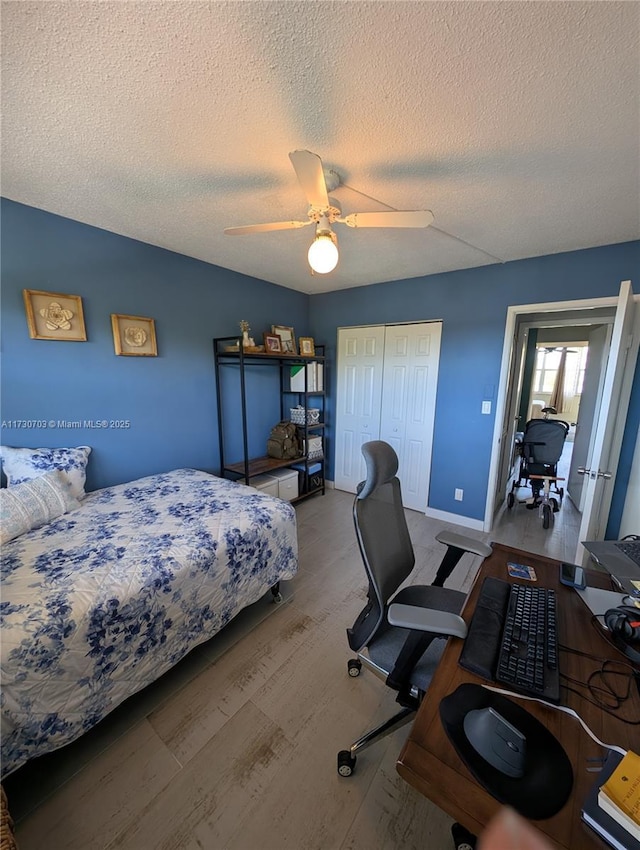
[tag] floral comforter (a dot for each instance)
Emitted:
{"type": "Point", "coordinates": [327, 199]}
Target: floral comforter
{"type": "Point", "coordinates": [102, 601]}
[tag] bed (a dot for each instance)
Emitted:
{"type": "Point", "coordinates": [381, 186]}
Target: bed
{"type": "Point", "coordinates": [101, 601]}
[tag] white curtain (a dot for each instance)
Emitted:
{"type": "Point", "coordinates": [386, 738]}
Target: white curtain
{"type": "Point", "coordinates": [557, 394]}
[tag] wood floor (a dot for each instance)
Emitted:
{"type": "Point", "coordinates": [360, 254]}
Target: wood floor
{"type": "Point", "coordinates": [236, 748]}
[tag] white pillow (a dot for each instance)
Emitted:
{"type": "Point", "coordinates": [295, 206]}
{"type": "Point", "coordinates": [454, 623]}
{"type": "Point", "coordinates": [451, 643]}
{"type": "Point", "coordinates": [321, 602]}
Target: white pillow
{"type": "Point", "coordinates": [22, 465]}
{"type": "Point", "coordinates": [34, 503]}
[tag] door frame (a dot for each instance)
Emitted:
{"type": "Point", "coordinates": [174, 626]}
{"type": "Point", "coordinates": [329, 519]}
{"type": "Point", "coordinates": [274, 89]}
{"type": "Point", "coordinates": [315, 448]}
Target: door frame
{"type": "Point", "coordinates": [513, 313]}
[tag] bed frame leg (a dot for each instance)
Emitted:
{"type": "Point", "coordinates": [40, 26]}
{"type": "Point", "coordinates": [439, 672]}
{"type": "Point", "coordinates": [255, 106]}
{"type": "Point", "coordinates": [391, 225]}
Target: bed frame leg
{"type": "Point", "coordinates": [275, 592]}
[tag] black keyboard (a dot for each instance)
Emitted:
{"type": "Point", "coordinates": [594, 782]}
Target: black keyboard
{"type": "Point", "coordinates": [512, 638]}
{"type": "Point", "coordinates": [631, 549]}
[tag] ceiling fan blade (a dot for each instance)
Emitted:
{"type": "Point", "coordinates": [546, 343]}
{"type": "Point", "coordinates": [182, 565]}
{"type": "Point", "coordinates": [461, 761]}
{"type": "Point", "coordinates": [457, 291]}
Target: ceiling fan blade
{"type": "Point", "coordinates": [265, 228]}
{"type": "Point", "coordinates": [393, 218]}
{"type": "Point", "coordinates": [308, 167]}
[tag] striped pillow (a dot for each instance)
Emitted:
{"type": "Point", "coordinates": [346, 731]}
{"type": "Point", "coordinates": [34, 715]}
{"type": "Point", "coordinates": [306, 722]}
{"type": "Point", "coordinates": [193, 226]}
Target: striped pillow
{"type": "Point", "coordinates": [34, 503]}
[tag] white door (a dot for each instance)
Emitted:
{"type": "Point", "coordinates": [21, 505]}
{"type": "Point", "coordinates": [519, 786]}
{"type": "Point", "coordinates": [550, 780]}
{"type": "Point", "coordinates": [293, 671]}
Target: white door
{"type": "Point", "coordinates": [592, 386]}
{"type": "Point", "coordinates": [387, 381]}
{"type": "Point", "coordinates": [409, 384]}
{"type": "Point", "coordinates": [602, 464]}
{"type": "Point", "coordinates": [509, 462]}
{"type": "Point", "coordinates": [358, 400]}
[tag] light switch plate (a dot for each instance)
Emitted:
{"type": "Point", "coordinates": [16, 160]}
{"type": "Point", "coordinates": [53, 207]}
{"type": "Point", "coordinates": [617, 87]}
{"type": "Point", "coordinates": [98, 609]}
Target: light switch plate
{"type": "Point", "coordinates": [486, 407]}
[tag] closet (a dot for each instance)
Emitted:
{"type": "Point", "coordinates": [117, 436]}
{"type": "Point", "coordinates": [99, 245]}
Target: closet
{"type": "Point", "coordinates": [386, 390]}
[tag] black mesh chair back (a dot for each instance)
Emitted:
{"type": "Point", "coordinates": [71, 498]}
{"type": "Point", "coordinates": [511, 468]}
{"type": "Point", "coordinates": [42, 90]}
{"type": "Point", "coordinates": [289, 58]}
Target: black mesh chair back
{"type": "Point", "coordinates": [383, 537]}
{"type": "Point", "coordinates": [403, 652]}
{"type": "Point", "coordinates": [543, 441]}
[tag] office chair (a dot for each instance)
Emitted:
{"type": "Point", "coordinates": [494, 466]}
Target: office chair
{"type": "Point", "coordinates": [398, 628]}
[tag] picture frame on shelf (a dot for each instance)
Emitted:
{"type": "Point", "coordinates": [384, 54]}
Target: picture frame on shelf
{"type": "Point", "coordinates": [134, 336]}
{"type": "Point", "coordinates": [287, 338]}
{"type": "Point", "coordinates": [272, 344]}
{"type": "Point", "coordinates": [307, 346]}
{"type": "Point", "coordinates": [52, 315]}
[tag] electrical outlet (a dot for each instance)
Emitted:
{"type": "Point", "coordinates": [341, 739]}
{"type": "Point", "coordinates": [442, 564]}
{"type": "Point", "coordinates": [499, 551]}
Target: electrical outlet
{"type": "Point", "coordinates": [458, 495]}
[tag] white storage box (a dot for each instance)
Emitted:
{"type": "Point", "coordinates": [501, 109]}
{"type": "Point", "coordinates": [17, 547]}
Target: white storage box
{"type": "Point", "coordinates": [265, 483]}
{"type": "Point", "coordinates": [287, 483]}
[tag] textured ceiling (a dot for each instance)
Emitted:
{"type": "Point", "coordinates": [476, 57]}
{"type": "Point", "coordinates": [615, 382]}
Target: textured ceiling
{"type": "Point", "coordinates": [516, 123]}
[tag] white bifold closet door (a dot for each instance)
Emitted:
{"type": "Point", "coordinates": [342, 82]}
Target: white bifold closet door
{"type": "Point", "coordinates": [387, 382]}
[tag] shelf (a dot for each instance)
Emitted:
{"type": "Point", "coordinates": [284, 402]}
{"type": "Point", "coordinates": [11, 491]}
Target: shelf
{"type": "Point", "coordinates": [307, 494]}
{"type": "Point", "coordinates": [238, 359]}
{"type": "Point", "coordinates": [297, 358]}
{"type": "Point", "coordinates": [260, 465]}
{"type": "Point", "coordinates": [221, 354]}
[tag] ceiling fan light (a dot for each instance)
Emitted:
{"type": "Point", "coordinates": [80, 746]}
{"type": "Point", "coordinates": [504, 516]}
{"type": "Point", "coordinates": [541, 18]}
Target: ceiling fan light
{"type": "Point", "coordinates": [323, 253]}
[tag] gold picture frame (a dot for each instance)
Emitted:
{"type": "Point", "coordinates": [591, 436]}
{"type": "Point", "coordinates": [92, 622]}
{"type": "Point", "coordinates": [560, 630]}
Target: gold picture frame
{"type": "Point", "coordinates": [287, 338]}
{"type": "Point", "coordinates": [272, 344]}
{"type": "Point", "coordinates": [134, 336]}
{"type": "Point", "coordinates": [53, 315]}
{"type": "Point", "coordinates": [307, 346]}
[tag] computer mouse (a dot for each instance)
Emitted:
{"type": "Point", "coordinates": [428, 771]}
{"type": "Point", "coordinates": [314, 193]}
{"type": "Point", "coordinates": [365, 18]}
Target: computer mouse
{"type": "Point", "coordinates": [496, 740]}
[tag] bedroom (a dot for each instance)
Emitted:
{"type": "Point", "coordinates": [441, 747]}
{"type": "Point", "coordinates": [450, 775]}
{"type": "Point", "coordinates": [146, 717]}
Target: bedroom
{"type": "Point", "coordinates": [170, 400]}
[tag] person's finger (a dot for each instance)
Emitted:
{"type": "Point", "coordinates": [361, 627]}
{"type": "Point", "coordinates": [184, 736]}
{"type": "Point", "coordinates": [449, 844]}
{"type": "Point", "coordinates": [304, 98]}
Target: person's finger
{"type": "Point", "coordinates": [508, 831]}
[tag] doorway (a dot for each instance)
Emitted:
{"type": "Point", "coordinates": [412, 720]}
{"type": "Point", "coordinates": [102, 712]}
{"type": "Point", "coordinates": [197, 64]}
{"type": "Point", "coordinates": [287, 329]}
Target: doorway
{"type": "Point", "coordinates": [602, 425]}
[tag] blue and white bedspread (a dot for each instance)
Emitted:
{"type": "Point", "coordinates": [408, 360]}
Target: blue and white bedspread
{"type": "Point", "coordinates": [103, 600]}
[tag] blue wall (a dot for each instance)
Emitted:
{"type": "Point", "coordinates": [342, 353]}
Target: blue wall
{"type": "Point", "coordinates": [472, 305]}
{"type": "Point", "coordinates": [169, 400]}
{"type": "Point", "coordinates": [626, 459]}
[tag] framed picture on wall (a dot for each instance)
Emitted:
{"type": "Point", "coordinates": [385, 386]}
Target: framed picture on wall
{"type": "Point", "coordinates": [134, 336]}
{"type": "Point", "coordinates": [52, 315]}
{"type": "Point", "coordinates": [287, 338]}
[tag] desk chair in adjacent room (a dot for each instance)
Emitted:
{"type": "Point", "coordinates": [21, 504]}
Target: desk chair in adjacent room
{"type": "Point", "coordinates": [399, 629]}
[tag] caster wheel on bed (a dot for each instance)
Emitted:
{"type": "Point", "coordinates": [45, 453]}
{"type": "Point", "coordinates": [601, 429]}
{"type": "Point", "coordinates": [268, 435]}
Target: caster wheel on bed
{"type": "Point", "coordinates": [277, 598]}
{"type": "Point", "coordinates": [354, 666]}
{"type": "Point", "coordinates": [346, 763]}
{"type": "Point", "coordinates": [510, 500]}
{"type": "Point", "coordinates": [546, 516]}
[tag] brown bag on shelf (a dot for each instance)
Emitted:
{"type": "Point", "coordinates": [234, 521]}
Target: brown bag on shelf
{"type": "Point", "coordinates": [283, 441]}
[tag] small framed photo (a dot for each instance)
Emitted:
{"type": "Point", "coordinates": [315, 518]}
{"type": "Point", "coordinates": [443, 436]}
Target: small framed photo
{"type": "Point", "coordinates": [307, 346]}
{"type": "Point", "coordinates": [272, 344]}
{"type": "Point", "coordinates": [52, 315]}
{"type": "Point", "coordinates": [287, 338]}
{"type": "Point", "coordinates": [134, 336]}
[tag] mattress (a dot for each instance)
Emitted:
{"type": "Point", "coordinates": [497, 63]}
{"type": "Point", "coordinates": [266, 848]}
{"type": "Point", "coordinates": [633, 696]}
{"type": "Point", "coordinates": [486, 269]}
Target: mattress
{"type": "Point", "coordinates": [100, 602]}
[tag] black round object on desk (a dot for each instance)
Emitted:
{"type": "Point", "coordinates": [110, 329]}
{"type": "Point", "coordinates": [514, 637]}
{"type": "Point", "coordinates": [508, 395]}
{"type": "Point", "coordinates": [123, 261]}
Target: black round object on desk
{"type": "Point", "coordinates": [547, 780]}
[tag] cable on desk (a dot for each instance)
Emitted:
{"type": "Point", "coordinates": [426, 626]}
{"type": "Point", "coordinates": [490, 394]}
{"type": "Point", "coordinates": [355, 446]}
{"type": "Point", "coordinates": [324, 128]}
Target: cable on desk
{"type": "Point", "coordinates": [563, 708]}
{"type": "Point", "coordinates": [605, 696]}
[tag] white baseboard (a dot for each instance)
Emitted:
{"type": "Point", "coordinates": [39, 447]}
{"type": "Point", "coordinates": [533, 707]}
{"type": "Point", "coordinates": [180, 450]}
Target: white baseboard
{"type": "Point", "coordinates": [465, 521]}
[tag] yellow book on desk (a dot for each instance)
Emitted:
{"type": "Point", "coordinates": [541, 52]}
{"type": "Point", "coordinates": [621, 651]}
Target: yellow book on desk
{"type": "Point", "coordinates": [619, 796]}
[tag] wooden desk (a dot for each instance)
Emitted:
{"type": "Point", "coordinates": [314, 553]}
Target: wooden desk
{"type": "Point", "coordinates": [429, 762]}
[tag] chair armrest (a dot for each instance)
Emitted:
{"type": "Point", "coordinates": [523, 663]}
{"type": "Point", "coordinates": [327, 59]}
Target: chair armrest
{"type": "Point", "coordinates": [426, 620]}
{"type": "Point", "coordinates": [467, 544]}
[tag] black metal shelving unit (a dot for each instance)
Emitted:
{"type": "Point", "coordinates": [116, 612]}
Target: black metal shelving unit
{"type": "Point", "coordinates": [229, 353]}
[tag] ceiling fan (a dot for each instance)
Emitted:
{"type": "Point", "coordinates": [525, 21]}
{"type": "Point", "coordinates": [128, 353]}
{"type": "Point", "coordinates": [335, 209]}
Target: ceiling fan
{"type": "Point", "coordinates": [324, 211]}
